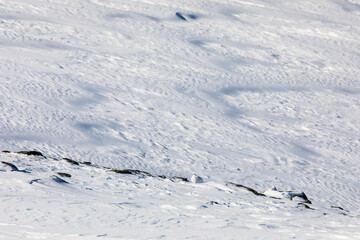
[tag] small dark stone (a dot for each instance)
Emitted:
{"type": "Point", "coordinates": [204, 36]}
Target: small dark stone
{"type": "Point", "coordinates": [86, 163]}
{"type": "Point", "coordinates": [161, 176]}
{"type": "Point", "coordinates": [6, 151]}
{"type": "Point", "coordinates": [70, 161]}
{"type": "Point", "coordinates": [179, 15]}
{"type": "Point", "coordinates": [64, 174]}
{"type": "Point", "coordinates": [32, 153]}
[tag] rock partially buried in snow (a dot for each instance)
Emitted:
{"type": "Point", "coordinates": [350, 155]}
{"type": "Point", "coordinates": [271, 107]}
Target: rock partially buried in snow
{"type": "Point", "coordinates": [59, 180]}
{"type": "Point", "coordinates": [32, 153]}
{"type": "Point", "coordinates": [196, 179]}
{"type": "Point", "coordinates": [273, 192]}
{"type": "Point", "coordinates": [13, 167]}
{"type": "Point", "coordinates": [179, 15]}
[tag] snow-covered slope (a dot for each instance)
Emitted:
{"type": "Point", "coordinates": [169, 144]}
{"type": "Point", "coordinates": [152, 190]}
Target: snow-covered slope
{"type": "Point", "coordinates": [259, 93]}
{"type": "Point", "coordinates": [46, 198]}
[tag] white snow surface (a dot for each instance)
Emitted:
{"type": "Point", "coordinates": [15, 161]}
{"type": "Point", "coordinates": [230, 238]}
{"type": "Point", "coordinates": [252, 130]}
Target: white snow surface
{"type": "Point", "coordinates": [256, 92]}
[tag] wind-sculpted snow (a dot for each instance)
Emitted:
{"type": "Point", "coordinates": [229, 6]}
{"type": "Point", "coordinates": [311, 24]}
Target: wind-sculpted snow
{"type": "Point", "coordinates": [88, 201]}
{"type": "Point", "coordinates": [257, 93]}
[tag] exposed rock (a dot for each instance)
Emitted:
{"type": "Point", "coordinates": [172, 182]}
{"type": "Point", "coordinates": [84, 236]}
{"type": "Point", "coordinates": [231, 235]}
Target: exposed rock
{"type": "Point", "coordinates": [59, 180]}
{"type": "Point", "coordinates": [70, 161]}
{"type": "Point", "coordinates": [180, 178]}
{"type": "Point", "coordinates": [13, 167]}
{"type": "Point", "coordinates": [179, 15]}
{"type": "Point", "coordinates": [131, 171]}
{"type": "Point", "coordinates": [338, 208]}
{"type": "Point", "coordinates": [32, 153]}
{"type": "Point", "coordinates": [64, 174]}
{"type": "Point", "coordinates": [291, 195]}
{"type": "Point", "coordinates": [247, 188]}
{"type": "Point", "coordinates": [306, 206]}
{"type": "Point", "coordinates": [299, 195]}
{"type": "Point", "coordinates": [35, 180]}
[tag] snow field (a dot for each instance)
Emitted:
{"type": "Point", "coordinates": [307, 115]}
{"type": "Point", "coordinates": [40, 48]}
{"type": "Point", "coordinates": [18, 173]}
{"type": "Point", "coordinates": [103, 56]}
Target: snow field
{"type": "Point", "coordinates": [261, 93]}
{"type": "Point", "coordinates": [96, 203]}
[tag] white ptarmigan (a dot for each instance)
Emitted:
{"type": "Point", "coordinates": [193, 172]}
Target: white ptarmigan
{"type": "Point", "coordinates": [196, 179]}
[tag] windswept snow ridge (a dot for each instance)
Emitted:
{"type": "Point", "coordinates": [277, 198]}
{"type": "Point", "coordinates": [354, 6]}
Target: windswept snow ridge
{"type": "Point", "coordinates": [256, 93]}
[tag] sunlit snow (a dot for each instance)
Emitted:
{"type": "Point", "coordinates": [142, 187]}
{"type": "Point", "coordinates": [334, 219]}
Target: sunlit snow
{"type": "Point", "coordinates": [131, 98]}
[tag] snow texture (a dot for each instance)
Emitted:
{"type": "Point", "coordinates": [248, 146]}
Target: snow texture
{"type": "Point", "coordinates": [255, 93]}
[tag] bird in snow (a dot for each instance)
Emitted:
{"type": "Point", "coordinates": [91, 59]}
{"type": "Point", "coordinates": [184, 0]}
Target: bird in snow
{"type": "Point", "coordinates": [196, 179]}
